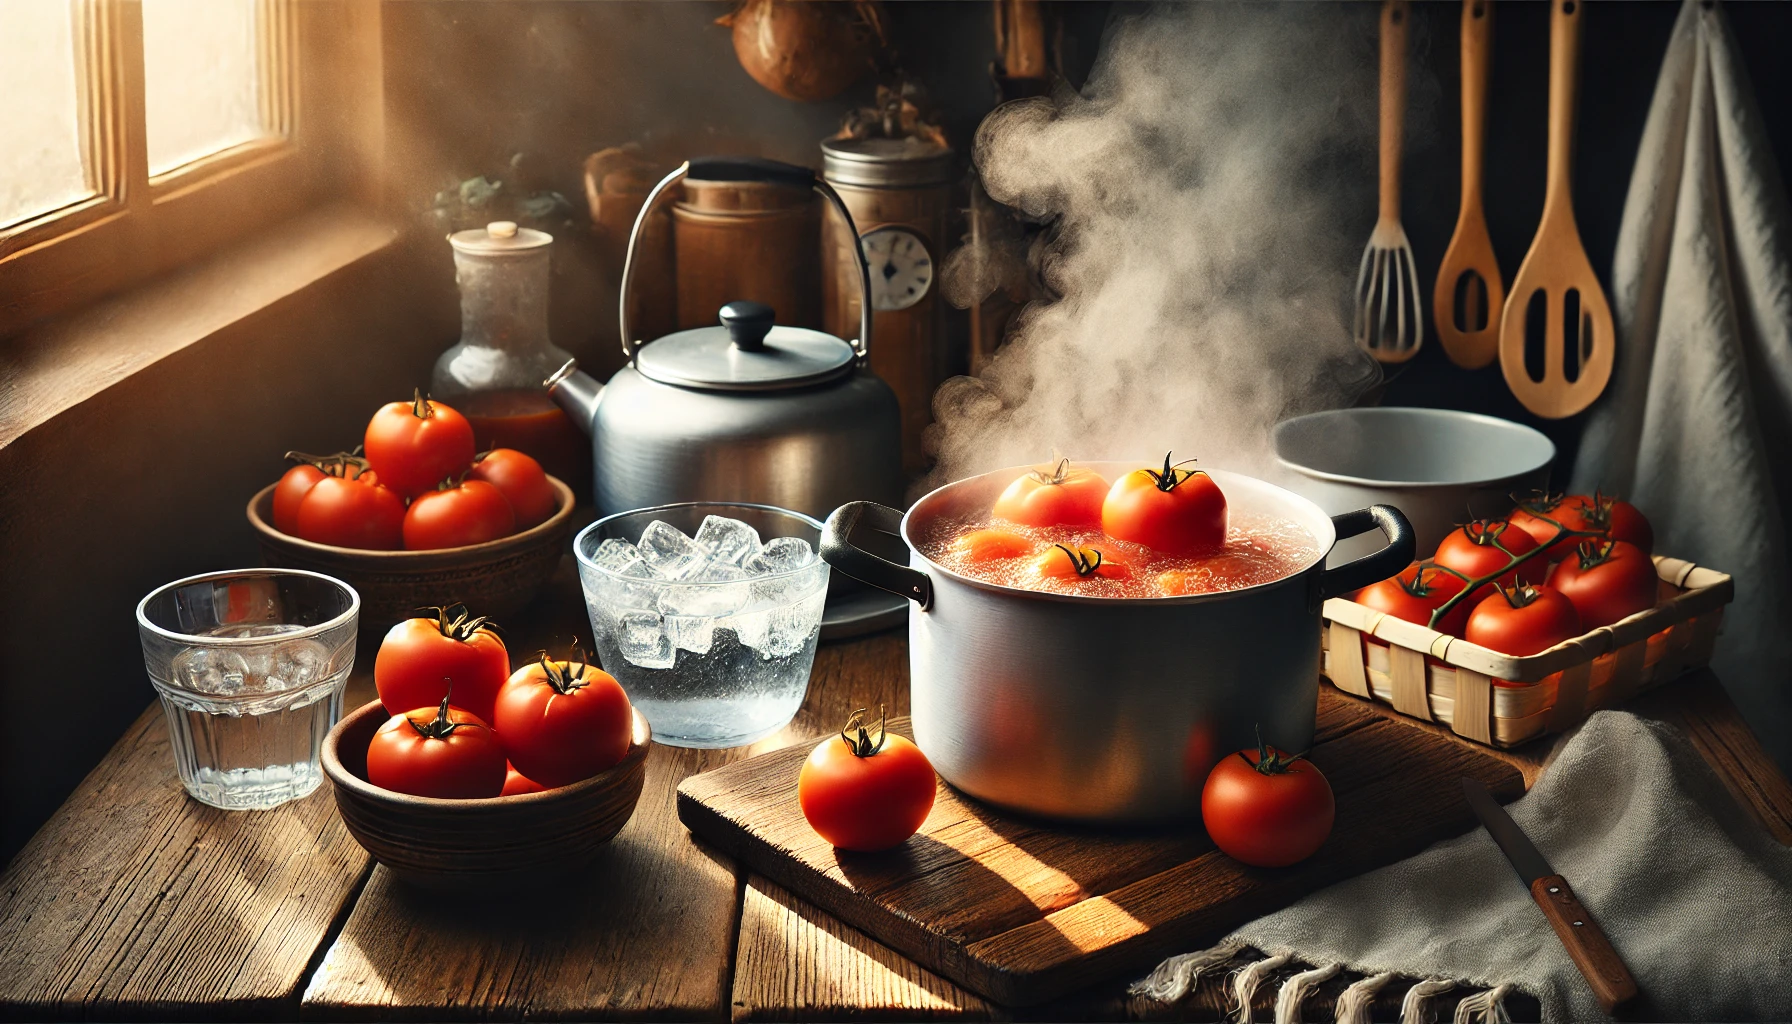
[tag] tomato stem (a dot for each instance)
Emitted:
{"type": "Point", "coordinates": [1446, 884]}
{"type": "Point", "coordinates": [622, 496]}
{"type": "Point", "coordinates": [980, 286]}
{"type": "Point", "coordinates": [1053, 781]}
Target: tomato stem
{"type": "Point", "coordinates": [438, 728]}
{"type": "Point", "coordinates": [335, 464]}
{"type": "Point", "coordinates": [1271, 761]}
{"type": "Point", "coordinates": [453, 622]}
{"type": "Point", "coordinates": [1171, 476]}
{"type": "Point", "coordinates": [420, 405]}
{"type": "Point", "coordinates": [565, 681]}
{"type": "Point", "coordinates": [862, 746]}
{"type": "Point", "coordinates": [1084, 560]}
{"type": "Point", "coordinates": [1060, 472]}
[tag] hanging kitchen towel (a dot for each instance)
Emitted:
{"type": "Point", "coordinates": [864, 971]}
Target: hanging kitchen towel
{"type": "Point", "coordinates": [1695, 895]}
{"type": "Point", "coordinates": [1696, 426]}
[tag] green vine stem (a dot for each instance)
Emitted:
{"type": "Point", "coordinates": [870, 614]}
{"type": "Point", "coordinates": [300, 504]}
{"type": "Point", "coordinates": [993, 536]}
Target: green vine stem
{"type": "Point", "coordinates": [1473, 585]}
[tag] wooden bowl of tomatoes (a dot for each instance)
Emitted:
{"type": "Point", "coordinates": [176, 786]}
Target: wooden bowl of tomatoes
{"type": "Point", "coordinates": [498, 577]}
{"type": "Point", "coordinates": [500, 841]}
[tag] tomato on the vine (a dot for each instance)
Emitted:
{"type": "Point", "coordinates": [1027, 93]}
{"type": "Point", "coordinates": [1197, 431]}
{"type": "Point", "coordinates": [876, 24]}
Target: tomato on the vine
{"type": "Point", "coordinates": [1061, 497]}
{"type": "Point", "coordinates": [1416, 593]}
{"type": "Point", "coordinates": [1063, 562]}
{"type": "Point", "coordinates": [1555, 520]}
{"type": "Point", "coordinates": [1606, 581]}
{"type": "Point", "coordinates": [1267, 808]}
{"type": "Point", "coordinates": [297, 482]}
{"type": "Point", "coordinates": [444, 751]}
{"type": "Point", "coordinates": [456, 515]}
{"type": "Point", "coordinates": [415, 445]}
{"type": "Point", "coordinates": [1485, 546]}
{"type": "Point", "coordinates": [421, 661]}
{"type": "Point", "coordinates": [351, 512]}
{"type": "Point", "coordinates": [1620, 520]}
{"type": "Point", "coordinates": [993, 545]}
{"type": "Point", "coordinates": [563, 722]}
{"type": "Point", "coordinates": [1523, 621]}
{"type": "Point", "coordinates": [521, 480]}
{"type": "Point", "coordinates": [1173, 511]}
{"type": "Point", "coordinates": [864, 794]}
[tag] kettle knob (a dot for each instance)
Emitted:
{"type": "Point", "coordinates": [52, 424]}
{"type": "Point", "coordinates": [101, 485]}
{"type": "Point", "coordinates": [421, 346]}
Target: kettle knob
{"type": "Point", "coordinates": [748, 323]}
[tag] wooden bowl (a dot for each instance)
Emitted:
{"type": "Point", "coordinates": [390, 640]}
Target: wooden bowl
{"type": "Point", "coordinates": [496, 579]}
{"type": "Point", "coordinates": [501, 841]}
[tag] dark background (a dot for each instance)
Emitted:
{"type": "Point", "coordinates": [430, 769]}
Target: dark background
{"type": "Point", "coordinates": [470, 84]}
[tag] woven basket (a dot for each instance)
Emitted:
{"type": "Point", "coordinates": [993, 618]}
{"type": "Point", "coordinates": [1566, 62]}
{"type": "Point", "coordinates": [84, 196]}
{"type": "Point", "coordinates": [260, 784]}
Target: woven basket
{"type": "Point", "coordinates": [1504, 701]}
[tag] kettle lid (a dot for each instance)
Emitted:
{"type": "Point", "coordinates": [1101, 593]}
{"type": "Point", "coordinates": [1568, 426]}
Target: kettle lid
{"type": "Point", "coordinates": [748, 352]}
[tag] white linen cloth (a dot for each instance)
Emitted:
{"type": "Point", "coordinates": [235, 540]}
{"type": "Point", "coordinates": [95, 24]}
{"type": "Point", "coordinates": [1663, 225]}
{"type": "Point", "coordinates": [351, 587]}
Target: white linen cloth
{"type": "Point", "coordinates": [1696, 426]}
{"type": "Point", "coordinates": [1694, 894]}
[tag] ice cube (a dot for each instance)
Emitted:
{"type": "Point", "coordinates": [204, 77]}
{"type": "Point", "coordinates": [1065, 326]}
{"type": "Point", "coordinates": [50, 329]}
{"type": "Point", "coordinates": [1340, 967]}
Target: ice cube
{"type": "Point", "coordinates": [694, 633]}
{"type": "Point", "coordinates": [296, 664]}
{"type": "Point", "coordinates": [788, 588]}
{"type": "Point", "coordinates": [712, 588]}
{"type": "Point", "coordinates": [791, 627]}
{"type": "Point", "coordinates": [749, 627]}
{"type": "Point", "coordinates": [615, 555]}
{"type": "Point", "coordinates": [669, 551]}
{"type": "Point", "coordinates": [728, 540]}
{"type": "Point", "coordinates": [211, 670]}
{"type": "Point", "coordinates": [781, 554]}
{"type": "Point", "coordinates": [642, 640]}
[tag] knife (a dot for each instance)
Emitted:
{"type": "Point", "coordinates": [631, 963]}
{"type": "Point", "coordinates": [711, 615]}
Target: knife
{"type": "Point", "coordinates": [1587, 945]}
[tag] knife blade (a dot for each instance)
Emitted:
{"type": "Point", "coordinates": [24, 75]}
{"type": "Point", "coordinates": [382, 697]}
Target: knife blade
{"type": "Point", "coordinates": [1585, 941]}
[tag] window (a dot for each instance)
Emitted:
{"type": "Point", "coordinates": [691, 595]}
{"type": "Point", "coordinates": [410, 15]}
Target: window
{"type": "Point", "coordinates": [138, 134]}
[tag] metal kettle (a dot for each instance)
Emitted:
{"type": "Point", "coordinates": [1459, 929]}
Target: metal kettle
{"type": "Point", "coordinates": [746, 411]}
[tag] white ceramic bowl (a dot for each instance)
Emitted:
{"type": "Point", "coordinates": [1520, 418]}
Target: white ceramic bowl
{"type": "Point", "coordinates": [1438, 466]}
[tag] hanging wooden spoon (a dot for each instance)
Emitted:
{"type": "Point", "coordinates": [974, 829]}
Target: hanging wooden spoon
{"type": "Point", "coordinates": [1470, 331]}
{"type": "Point", "coordinates": [1578, 340]}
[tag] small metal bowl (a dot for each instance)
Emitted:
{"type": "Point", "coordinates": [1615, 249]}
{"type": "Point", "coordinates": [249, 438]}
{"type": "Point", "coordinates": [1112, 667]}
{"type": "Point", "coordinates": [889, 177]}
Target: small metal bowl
{"type": "Point", "coordinates": [505, 841]}
{"type": "Point", "coordinates": [496, 579]}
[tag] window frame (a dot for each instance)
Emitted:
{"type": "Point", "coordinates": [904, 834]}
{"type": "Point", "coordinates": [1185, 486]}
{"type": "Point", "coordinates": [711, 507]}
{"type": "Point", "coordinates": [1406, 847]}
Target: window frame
{"type": "Point", "coordinates": [134, 226]}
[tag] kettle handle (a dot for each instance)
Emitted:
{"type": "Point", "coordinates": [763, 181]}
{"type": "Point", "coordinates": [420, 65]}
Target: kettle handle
{"type": "Point", "coordinates": [745, 168]}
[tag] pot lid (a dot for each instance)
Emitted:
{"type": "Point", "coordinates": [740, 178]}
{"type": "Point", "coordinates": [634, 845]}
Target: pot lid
{"type": "Point", "coordinates": [500, 238]}
{"type": "Point", "coordinates": [885, 163]}
{"type": "Point", "coordinates": [749, 352]}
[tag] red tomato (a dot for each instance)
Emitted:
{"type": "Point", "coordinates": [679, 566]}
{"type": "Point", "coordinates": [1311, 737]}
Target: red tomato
{"type": "Point", "coordinates": [522, 482]}
{"type": "Point", "coordinates": [1174, 511]}
{"type": "Point", "coordinates": [1523, 621]}
{"type": "Point", "coordinates": [1606, 581]}
{"type": "Point", "coordinates": [416, 445]}
{"type": "Point", "coordinates": [294, 484]}
{"type": "Point", "coordinates": [422, 661]}
{"type": "Point", "coordinates": [1475, 550]}
{"type": "Point", "coordinates": [1546, 516]}
{"type": "Point", "coordinates": [866, 795]}
{"type": "Point", "coordinates": [516, 783]}
{"type": "Point", "coordinates": [354, 512]}
{"type": "Point", "coordinates": [1418, 591]}
{"type": "Point", "coordinates": [444, 752]}
{"type": "Point", "coordinates": [1063, 562]}
{"type": "Point", "coordinates": [992, 545]}
{"type": "Point", "coordinates": [1267, 808]}
{"type": "Point", "coordinates": [470, 512]}
{"type": "Point", "coordinates": [1621, 521]}
{"type": "Point", "coordinates": [563, 722]}
{"type": "Point", "coordinates": [1063, 497]}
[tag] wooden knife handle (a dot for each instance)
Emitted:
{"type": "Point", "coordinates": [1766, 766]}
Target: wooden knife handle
{"type": "Point", "coordinates": [1587, 945]}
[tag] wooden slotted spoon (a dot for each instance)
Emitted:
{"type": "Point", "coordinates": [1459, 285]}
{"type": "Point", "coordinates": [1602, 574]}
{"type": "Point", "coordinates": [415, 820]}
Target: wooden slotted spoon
{"type": "Point", "coordinates": [1557, 265]}
{"type": "Point", "coordinates": [1388, 315]}
{"type": "Point", "coordinates": [1471, 332]}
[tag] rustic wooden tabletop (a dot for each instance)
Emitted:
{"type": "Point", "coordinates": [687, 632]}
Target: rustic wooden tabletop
{"type": "Point", "coordinates": [136, 902]}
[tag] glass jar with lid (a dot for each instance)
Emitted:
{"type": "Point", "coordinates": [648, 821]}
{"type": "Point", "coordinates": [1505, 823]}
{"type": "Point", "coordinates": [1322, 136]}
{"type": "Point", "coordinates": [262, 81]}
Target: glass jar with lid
{"type": "Point", "coordinates": [494, 374]}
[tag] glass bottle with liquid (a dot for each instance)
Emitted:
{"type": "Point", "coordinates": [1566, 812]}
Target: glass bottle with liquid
{"type": "Point", "coordinates": [494, 374]}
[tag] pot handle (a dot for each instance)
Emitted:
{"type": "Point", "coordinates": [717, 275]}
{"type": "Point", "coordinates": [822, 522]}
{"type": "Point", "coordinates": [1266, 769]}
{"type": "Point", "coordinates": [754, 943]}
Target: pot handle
{"type": "Point", "coordinates": [745, 168]}
{"type": "Point", "coordinates": [1369, 568]}
{"type": "Point", "coordinates": [838, 550]}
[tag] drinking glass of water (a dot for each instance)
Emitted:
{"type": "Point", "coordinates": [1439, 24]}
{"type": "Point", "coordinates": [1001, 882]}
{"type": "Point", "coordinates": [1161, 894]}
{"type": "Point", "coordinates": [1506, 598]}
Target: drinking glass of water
{"type": "Point", "coordinates": [250, 666]}
{"type": "Point", "coordinates": [708, 614]}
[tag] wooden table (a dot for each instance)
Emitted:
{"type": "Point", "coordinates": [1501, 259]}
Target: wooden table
{"type": "Point", "coordinates": [137, 902]}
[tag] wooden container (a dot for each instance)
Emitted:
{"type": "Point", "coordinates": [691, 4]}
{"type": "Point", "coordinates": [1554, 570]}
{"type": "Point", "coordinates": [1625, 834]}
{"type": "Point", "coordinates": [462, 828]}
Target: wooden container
{"type": "Point", "coordinates": [746, 240]}
{"type": "Point", "coordinates": [496, 579]}
{"type": "Point", "coordinates": [497, 842]}
{"type": "Point", "coordinates": [1504, 701]}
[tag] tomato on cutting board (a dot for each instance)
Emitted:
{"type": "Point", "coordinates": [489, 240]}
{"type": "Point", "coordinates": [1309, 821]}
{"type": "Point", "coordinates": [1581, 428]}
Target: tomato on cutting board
{"type": "Point", "coordinates": [351, 512]}
{"type": "Point", "coordinates": [1064, 562]}
{"type": "Point", "coordinates": [1606, 581]}
{"type": "Point", "coordinates": [522, 482]}
{"type": "Point", "coordinates": [1267, 808]}
{"type": "Point", "coordinates": [444, 751]}
{"type": "Point", "coordinates": [1485, 546]}
{"type": "Point", "coordinates": [421, 661]}
{"type": "Point", "coordinates": [456, 515]}
{"type": "Point", "coordinates": [416, 445]}
{"type": "Point", "coordinates": [1061, 497]}
{"type": "Point", "coordinates": [563, 721]}
{"type": "Point", "coordinates": [1173, 511]}
{"type": "Point", "coordinates": [864, 794]}
{"type": "Point", "coordinates": [1415, 594]}
{"type": "Point", "coordinates": [1523, 621]}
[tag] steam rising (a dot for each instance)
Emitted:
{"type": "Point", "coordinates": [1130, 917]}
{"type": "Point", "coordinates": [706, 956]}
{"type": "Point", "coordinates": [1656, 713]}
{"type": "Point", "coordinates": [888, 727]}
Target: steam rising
{"type": "Point", "coordinates": [1209, 190]}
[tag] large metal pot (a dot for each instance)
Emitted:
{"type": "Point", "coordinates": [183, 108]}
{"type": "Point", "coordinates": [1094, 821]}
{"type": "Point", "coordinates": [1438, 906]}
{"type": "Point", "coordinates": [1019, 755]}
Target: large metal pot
{"type": "Point", "coordinates": [1096, 709]}
{"type": "Point", "coordinates": [747, 411]}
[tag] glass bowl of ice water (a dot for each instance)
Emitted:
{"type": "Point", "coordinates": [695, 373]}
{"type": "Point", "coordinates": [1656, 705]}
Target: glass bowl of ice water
{"type": "Point", "coordinates": [250, 666]}
{"type": "Point", "coordinates": [708, 614]}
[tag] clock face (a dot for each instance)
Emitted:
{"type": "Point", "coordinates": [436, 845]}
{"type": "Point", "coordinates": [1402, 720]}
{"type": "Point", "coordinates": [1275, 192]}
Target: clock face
{"type": "Point", "coordinates": [901, 268]}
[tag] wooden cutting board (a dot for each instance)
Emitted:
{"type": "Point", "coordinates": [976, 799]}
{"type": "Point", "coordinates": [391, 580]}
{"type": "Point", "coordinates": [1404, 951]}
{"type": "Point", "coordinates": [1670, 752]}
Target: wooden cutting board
{"type": "Point", "coordinates": [1020, 911]}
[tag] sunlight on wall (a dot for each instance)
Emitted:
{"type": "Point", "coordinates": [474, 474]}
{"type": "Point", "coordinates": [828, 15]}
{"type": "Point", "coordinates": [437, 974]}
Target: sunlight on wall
{"type": "Point", "coordinates": [40, 158]}
{"type": "Point", "coordinates": [202, 79]}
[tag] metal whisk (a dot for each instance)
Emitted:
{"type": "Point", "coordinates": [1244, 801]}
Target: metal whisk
{"type": "Point", "coordinates": [1389, 323]}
